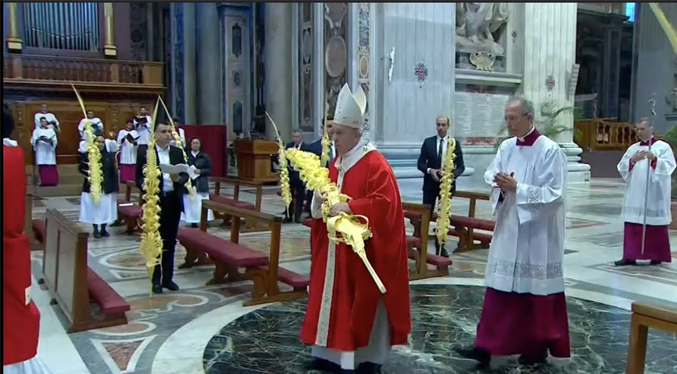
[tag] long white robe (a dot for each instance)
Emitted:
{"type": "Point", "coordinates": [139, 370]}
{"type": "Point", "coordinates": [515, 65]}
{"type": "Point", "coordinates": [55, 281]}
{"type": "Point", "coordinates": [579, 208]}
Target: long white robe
{"type": "Point", "coordinates": [45, 153]}
{"type": "Point", "coordinates": [127, 149]}
{"type": "Point", "coordinates": [659, 183]}
{"type": "Point", "coordinates": [97, 125]}
{"type": "Point", "coordinates": [527, 249]}
{"type": "Point", "coordinates": [32, 366]}
{"type": "Point", "coordinates": [48, 116]}
{"type": "Point", "coordinates": [143, 130]}
{"type": "Point", "coordinates": [106, 211]}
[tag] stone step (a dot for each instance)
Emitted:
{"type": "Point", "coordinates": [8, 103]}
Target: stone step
{"type": "Point", "coordinates": [60, 190]}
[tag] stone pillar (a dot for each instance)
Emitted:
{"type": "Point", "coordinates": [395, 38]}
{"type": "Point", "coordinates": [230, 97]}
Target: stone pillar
{"type": "Point", "coordinates": [14, 43]}
{"type": "Point", "coordinates": [209, 64]}
{"type": "Point", "coordinates": [422, 36]}
{"type": "Point", "coordinates": [189, 74]}
{"type": "Point", "coordinates": [110, 51]}
{"type": "Point", "coordinates": [278, 67]}
{"type": "Point", "coordinates": [548, 61]}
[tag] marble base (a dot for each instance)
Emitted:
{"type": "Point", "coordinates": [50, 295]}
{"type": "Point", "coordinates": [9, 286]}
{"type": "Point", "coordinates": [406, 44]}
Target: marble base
{"type": "Point", "coordinates": [267, 340]}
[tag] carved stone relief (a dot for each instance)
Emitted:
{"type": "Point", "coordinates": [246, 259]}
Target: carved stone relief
{"type": "Point", "coordinates": [479, 27]}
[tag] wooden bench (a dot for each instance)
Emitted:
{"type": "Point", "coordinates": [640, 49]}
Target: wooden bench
{"type": "Point", "coordinates": [34, 229]}
{"type": "Point", "coordinates": [417, 246]}
{"type": "Point", "coordinates": [234, 201]}
{"type": "Point", "coordinates": [72, 284]}
{"type": "Point", "coordinates": [463, 227]}
{"type": "Point", "coordinates": [128, 211]}
{"type": "Point", "coordinates": [643, 317]}
{"type": "Point", "coordinates": [229, 256]}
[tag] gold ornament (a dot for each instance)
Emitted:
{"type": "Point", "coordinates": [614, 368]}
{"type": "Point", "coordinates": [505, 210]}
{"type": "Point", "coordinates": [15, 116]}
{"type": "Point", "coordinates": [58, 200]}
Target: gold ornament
{"type": "Point", "coordinates": [444, 212]}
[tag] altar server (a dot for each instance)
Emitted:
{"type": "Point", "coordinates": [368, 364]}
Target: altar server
{"type": "Point", "coordinates": [97, 124]}
{"type": "Point", "coordinates": [51, 118]}
{"type": "Point", "coordinates": [524, 308]}
{"type": "Point", "coordinates": [20, 315]}
{"type": "Point", "coordinates": [349, 323]}
{"type": "Point", "coordinates": [143, 123]}
{"type": "Point", "coordinates": [192, 205]}
{"type": "Point", "coordinates": [182, 135]}
{"type": "Point", "coordinates": [128, 140]}
{"type": "Point", "coordinates": [44, 141]}
{"type": "Point", "coordinates": [647, 164]}
{"type": "Point", "coordinates": [105, 211]}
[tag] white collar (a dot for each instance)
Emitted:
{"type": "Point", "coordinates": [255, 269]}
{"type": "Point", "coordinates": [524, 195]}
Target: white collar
{"type": "Point", "coordinates": [163, 149]}
{"type": "Point", "coordinates": [9, 142]}
{"type": "Point", "coordinates": [345, 162]}
{"type": "Point", "coordinates": [527, 134]}
{"type": "Point", "coordinates": [446, 137]}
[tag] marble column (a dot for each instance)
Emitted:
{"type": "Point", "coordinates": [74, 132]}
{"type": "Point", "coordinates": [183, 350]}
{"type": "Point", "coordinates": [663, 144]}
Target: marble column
{"type": "Point", "coordinates": [190, 106]}
{"type": "Point", "coordinates": [421, 38]}
{"type": "Point", "coordinates": [110, 51]}
{"type": "Point", "coordinates": [548, 62]}
{"type": "Point", "coordinates": [209, 64]}
{"type": "Point", "coordinates": [278, 67]}
{"type": "Point", "coordinates": [14, 43]}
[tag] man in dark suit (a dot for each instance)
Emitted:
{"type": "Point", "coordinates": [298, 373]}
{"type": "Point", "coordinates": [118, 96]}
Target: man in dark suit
{"type": "Point", "coordinates": [298, 190]}
{"type": "Point", "coordinates": [316, 148]}
{"type": "Point", "coordinates": [171, 202]}
{"type": "Point", "coordinates": [430, 164]}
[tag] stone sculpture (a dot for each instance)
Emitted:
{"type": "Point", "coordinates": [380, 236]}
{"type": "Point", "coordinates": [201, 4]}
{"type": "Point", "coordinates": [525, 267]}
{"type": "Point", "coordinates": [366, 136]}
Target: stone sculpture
{"type": "Point", "coordinates": [478, 28]}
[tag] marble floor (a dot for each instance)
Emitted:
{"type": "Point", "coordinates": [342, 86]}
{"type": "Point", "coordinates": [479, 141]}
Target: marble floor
{"type": "Point", "coordinates": [205, 329]}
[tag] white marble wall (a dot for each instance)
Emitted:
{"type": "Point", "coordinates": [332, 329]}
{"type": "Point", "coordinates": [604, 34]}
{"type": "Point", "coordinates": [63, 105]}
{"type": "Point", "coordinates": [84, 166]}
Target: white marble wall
{"type": "Point", "coordinates": [278, 67]}
{"type": "Point", "coordinates": [404, 109]}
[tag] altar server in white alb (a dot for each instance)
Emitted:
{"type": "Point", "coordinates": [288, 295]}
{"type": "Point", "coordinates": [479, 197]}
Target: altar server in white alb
{"type": "Point", "coordinates": [105, 212]}
{"type": "Point", "coordinates": [524, 310]}
{"type": "Point", "coordinates": [192, 204]}
{"type": "Point", "coordinates": [128, 141]}
{"type": "Point", "coordinates": [97, 124]}
{"type": "Point", "coordinates": [182, 135]}
{"type": "Point", "coordinates": [648, 163]}
{"type": "Point", "coordinates": [143, 123]}
{"type": "Point", "coordinates": [51, 118]}
{"type": "Point", "coordinates": [44, 141]}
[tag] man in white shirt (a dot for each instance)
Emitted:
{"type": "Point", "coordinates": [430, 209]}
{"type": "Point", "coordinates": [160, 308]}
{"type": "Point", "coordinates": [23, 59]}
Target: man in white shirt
{"type": "Point", "coordinates": [51, 118]}
{"type": "Point", "coordinates": [143, 123]}
{"type": "Point", "coordinates": [97, 124]}
{"type": "Point", "coordinates": [524, 308]}
{"type": "Point", "coordinates": [171, 203]}
{"type": "Point", "coordinates": [647, 164]}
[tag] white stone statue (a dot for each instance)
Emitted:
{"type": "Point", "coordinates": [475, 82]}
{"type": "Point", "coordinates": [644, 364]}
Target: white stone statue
{"type": "Point", "coordinates": [478, 26]}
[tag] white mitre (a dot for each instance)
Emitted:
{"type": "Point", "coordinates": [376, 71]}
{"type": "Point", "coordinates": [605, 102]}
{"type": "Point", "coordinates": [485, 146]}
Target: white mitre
{"type": "Point", "coordinates": [350, 107]}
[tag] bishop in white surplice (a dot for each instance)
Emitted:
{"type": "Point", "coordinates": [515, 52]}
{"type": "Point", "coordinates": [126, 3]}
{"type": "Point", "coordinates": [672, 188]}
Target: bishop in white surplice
{"type": "Point", "coordinates": [524, 309]}
{"type": "Point", "coordinates": [647, 164]}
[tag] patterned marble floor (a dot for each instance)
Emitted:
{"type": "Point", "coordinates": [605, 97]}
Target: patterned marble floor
{"type": "Point", "coordinates": [170, 333]}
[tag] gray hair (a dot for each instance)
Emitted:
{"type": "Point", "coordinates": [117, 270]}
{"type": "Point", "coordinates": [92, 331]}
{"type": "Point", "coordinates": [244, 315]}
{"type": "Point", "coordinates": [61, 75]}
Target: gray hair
{"type": "Point", "coordinates": [526, 105]}
{"type": "Point", "coordinates": [297, 131]}
{"type": "Point", "coordinates": [645, 119]}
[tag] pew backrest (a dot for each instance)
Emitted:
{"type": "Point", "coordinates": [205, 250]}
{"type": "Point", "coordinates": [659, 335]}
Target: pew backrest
{"type": "Point", "coordinates": [237, 183]}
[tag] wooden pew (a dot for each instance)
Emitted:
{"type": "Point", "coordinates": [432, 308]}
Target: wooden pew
{"type": "Point", "coordinates": [417, 246]}
{"type": "Point", "coordinates": [229, 256]}
{"type": "Point", "coordinates": [463, 227]}
{"type": "Point", "coordinates": [128, 211]}
{"type": "Point", "coordinates": [234, 201]}
{"type": "Point", "coordinates": [643, 317]}
{"type": "Point", "coordinates": [34, 229]}
{"type": "Point", "coordinates": [72, 284]}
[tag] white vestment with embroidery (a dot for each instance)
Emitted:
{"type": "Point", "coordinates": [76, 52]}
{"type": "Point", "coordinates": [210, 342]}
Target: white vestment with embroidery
{"type": "Point", "coordinates": [528, 244]}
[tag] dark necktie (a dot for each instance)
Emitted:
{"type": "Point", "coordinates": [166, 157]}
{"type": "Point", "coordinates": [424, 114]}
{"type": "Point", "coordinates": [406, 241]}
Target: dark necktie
{"type": "Point", "coordinates": [439, 151]}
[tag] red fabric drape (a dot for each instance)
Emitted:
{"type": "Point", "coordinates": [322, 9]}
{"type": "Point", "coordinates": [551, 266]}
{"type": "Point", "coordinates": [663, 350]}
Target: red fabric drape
{"type": "Point", "coordinates": [214, 140]}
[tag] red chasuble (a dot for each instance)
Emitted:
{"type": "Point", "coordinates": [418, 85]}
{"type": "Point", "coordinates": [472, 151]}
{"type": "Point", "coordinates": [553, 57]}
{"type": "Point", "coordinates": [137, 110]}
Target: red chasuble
{"type": "Point", "coordinates": [373, 188]}
{"type": "Point", "coordinates": [20, 316]}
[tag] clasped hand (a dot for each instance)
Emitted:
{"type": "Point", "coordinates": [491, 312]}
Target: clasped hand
{"type": "Point", "coordinates": [337, 208]}
{"type": "Point", "coordinates": [506, 182]}
{"type": "Point", "coordinates": [641, 155]}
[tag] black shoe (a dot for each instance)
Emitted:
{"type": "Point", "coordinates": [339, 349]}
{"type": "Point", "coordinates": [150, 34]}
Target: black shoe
{"type": "Point", "coordinates": [530, 360]}
{"type": "Point", "coordinates": [286, 220]}
{"type": "Point", "coordinates": [170, 286]}
{"type": "Point", "coordinates": [478, 354]}
{"type": "Point", "coordinates": [104, 233]}
{"type": "Point", "coordinates": [655, 262]}
{"type": "Point", "coordinates": [444, 253]}
{"type": "Point", "coordinates": [625, 262]}
{"type": "Point", "coordinates": [157, 288]}
{"type": "Point", "coordinates": [320, 364]}
{"type": "Point", "coordinates": [97, 234]}
{"type": "Point", "coordinates": [368, 368]}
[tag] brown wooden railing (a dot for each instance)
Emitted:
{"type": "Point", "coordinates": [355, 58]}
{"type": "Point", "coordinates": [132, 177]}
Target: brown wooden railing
{"type": "Point", "coordinates": [42, 69]}
{"type": "Point", "coordinates": [603, 134]}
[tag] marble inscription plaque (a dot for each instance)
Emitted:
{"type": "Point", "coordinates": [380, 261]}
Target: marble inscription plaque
{"type": "Point", "coordinates": [478, 114]}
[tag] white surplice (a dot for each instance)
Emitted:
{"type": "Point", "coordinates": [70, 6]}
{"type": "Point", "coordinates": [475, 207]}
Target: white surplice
{"type": "Point", "coordinates": [127, 149]}
{"type": "Point", "coordinates": [32, 366]}
{"type": "Point", "coordinates": [97, 126]}
{"type": "Point", "coordinates": [659, 183]}
{"type": "Point", "coordinates": [527, 249]}
{"type": "Point", "coordinates": [182, 135]}
{"type": "Point", "coordinates": [48, 116]}
{"type": "Point", "coordinates": [379, 340]}
{"type": "Point", "coordinates": [45, 153]}
{"type": "Point", "coordinates": [143, 130]}
{"type": "Point", "coordinates": [106, 211]}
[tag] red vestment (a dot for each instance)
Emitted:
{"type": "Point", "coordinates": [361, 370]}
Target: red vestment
{"type": "Point", "coordinates": [354, 296]}
{"type": "Point", "coordinates": [20, 316]}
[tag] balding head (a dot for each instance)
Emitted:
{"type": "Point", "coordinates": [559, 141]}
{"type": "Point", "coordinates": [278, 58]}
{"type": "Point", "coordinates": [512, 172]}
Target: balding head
{"type": "Point", "coordinates": [519, 116]}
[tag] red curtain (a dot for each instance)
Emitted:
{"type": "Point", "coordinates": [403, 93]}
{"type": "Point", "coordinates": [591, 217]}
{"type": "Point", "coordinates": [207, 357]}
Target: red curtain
{"type": "Point", "coordinates": [214, 140]}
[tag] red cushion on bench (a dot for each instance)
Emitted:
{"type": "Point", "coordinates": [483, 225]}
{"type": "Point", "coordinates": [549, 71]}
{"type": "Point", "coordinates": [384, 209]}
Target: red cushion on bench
{"type": "Point", "coordinates": [413, 241]}
{"type": "Point", "coordinates": [290, 278]}
{"type": "Point", "coordinates": [102, 293]}
{"type": "Point", "coordinates": [231, 202]}
{"type": "Point", "coordinates": [39, 229]}
{"type": "Point", "coordinates": [438, 261]}
{"type": "Point", "coordinates": [473, 223]}
{"type": "Point", "coordinates": [130, 211]}
{"type": "Point", "coordinates": [308, 222]}
{"type": "Point", "coordinates": [123, 201]}
{"type": "Point", "coordinates": [221, 249]}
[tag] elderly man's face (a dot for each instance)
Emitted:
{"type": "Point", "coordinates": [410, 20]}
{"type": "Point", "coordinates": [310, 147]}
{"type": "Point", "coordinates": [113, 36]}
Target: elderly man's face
{"type": "Point", "coordinates": [298, 138]}
{"type": "Point", "coordinates": [518, 123]}
{"type": "Point", "coordinates": [644, 130]}
{"type": "Point", "coordinates": [345, 138]}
